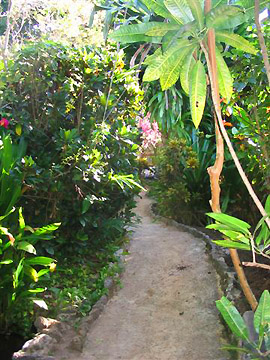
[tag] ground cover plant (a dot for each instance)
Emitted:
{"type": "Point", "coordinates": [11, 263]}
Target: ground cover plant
{"type": "Point", "coordinates": [20, 266]}
{"type": "Point", "coordinates": [256, 338]}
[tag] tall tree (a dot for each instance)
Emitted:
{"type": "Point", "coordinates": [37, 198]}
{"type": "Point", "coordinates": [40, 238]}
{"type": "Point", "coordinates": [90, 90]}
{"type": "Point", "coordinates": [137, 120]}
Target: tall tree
{"type": "Point", "coordinates": [190, 37]}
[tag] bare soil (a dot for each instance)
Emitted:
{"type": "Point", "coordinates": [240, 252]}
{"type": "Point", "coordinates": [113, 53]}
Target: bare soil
{"type": "Point", "coordinates": [166, 307]}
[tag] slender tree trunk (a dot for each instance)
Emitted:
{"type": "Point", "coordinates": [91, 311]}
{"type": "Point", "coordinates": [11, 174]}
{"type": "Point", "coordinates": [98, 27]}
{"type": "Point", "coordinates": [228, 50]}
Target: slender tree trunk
{"type": "Point", "coordinates": [7, 34]}
{"type": "Point", "coordinates": [261, 40]}
{"type": "Point", "coordinates": [215, 171]}
{"type": "Point", "coordinates": [212, 69]}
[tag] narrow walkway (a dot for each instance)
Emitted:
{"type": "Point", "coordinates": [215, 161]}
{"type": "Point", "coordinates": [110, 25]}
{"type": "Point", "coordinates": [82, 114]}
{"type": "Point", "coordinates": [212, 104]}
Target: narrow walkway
{"type": "Point", "coordinates": [166, 309]}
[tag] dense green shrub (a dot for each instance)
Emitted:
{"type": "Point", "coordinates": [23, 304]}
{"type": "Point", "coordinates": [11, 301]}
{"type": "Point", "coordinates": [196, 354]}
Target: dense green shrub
{"type": "Point", "coordinates": [76, 108]}
{"type": "Point", "coordinates": [20, 268]}
{"type": "Point", "coordinates": [20, 271]}
{"type": "Point", "coordinates": [182, 186]}
{"type": "Point", "coordinates": [249, 111]}
{"type": "Point", "coordinates": [175, 189]}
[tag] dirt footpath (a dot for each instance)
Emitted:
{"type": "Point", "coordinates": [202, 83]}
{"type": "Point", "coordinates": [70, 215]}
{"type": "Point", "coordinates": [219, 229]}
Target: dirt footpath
{"type": "Point", "coordinates": [166, 309]}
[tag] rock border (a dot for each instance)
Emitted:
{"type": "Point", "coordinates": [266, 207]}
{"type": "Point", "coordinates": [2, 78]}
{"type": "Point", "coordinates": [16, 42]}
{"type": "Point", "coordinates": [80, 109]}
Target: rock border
{"type": "Point", "coordinates": [52, 331]}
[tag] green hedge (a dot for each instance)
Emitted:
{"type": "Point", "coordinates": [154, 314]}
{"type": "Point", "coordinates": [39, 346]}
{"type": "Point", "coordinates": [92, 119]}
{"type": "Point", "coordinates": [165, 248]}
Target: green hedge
{"type": "Point", "coordinates": [76, 109]}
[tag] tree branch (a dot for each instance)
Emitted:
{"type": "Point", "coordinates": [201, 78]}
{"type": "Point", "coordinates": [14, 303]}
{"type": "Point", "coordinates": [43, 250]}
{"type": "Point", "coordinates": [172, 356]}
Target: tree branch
{"type": "Point", "coordinates": [255, 264]}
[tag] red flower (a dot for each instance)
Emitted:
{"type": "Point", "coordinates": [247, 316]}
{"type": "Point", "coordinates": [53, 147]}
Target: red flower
{"type": "Point", "coordinates": [4, 122]}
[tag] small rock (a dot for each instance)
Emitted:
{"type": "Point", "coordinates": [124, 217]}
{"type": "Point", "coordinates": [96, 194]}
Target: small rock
{"type": "Point", "coordinates": [94, 314]}
{"type": "Point", "coordinates": [108, 283]}
{"type": "Point", "coordinates": [54, 333]}
{"type": "Point", "coordinates": [76, 344]}
{"type": "Point", "coordinates": [99, 305]}
{"type": "Point", "coordinates": [23, 356]}
{"type": "Point", "coordinates": [41, 344]}
{"type": "Point", "coordinates": [42, 323]}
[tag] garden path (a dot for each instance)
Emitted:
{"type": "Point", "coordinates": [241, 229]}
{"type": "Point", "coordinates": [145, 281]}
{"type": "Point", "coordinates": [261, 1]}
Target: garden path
{"type": "Point", "coordinates": [166, 309]}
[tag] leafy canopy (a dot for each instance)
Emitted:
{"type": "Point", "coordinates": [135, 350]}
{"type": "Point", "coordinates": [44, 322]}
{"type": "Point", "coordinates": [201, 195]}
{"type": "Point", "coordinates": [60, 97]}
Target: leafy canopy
{"type": "Point", "coordinates": [181, 38]}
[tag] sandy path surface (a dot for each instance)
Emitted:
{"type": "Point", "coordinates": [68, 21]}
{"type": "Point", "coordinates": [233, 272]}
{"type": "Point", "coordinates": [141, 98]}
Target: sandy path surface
{"type": "Point", "coordinates": [165, 310]}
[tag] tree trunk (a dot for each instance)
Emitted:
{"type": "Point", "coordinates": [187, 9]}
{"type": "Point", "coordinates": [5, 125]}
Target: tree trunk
{"type": "Point", "coordinates": [212, 70]}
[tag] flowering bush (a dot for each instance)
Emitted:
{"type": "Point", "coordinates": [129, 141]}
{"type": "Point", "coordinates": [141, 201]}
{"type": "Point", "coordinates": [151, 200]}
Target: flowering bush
{"type": "Point", "coordinates": [151, 135]}
{"type": "Point", "coordinates": [77, 109]}
{"type": "Point", "coordinates": [4, 122]}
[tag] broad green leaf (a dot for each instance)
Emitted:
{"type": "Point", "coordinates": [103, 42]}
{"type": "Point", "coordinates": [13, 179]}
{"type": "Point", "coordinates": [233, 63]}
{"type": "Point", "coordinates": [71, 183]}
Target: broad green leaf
{"type": "Point", "coordinates": [47, 229]}
{"type": "Point", "coordinates": [21, 219]}
{"type": "Point", "coordinates": [235, 236]}
{"type": "Point", "coordinates": [33, 238]}
{"type": "Point", "coordinates": [134, 33]}
{"type": "Point", "coordinates": [2, 65]}
{"type": "Point", "coordinates": [185, 71]}
{"type": "Point", "coordinates": [216, 3]}
{"type": "Point", "coordinates": [218, 226]}
{"type": "Point", "coordinates": [37, 290]}
{"type": "Point", "coordinates": [40, 260]}
{"type": "Point", "coordinates": [161, 29]}
{"type": "Point", "coordinates": [267, 205]}
{"type": "Point", "coordinates": [17, 274]}
{"type": "Point", "coordinates": [236, 41]}
{"type": "Point", "coordinates": [179, 10]}
{"type": "Point", "coordinates": [43, 272]}
{"type": "Point", "coordinates": [267, 339]}
{"type": "Point", "coordinates": [197, 12]}
{"type": "Point", "coordinates": [224, 17]}
{"type": "Point", "coordinates": [154, 70]}
{"type": "Point", "coordinates": [157, 7]}
{"type": "Point", "coordinates": [232, 244]}
{"type": "Point", "coordinates": [6, 262]}
{"type": "Point", "coordinates": [197, 91]}
{"type": "Point", "coordinates": [31, 272]}
{"type": "Point", "coordinates": [232, 222]}
{"type": "Point", "coordinates": [264, 234]}
{"type": "Point", "coordinates": [225, 80]}
{"type": "Point", "coordinates": [171, 69]}
{"type": "Point", "coordinates": [26, 246]}
{"type": "Point", "coordinates": [85, 205]}
{"type": "Point", "coordinates": [4, 216]}
{"type": "Point", "coordinates": [152, 57]}
{"type": "Point", "coordinates": [233, 319]}
{"type": "Point", "coordinates": [248, 5]}
{"type": "Point", "coordinates": [29, 228]}
{"type": "Point", "coordinates": [173, 36]}
{"type": "Point", "coordinates": [262, 314]}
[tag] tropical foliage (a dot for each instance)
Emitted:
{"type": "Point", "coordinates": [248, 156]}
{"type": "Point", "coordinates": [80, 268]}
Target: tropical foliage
{"type": "Point", "coordinates": [182, 38]}
{"type": "Point", "coordinates": [79, 124]}
{"type": "Point", "coordinates": [68, 155]}
{"type": "Point", "coordinates": [256, 339]}
{"type": "Point", "coordinates": [238, 236]}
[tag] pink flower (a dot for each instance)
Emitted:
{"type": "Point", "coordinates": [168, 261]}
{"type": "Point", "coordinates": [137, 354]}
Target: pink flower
{"type": "Point", "coordinates": [4, 122]}
{"type": "Point", "coordinates": [151, 134]}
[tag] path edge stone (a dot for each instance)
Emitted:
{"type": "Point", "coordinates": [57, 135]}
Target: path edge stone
{"type": "Point", "coordinates": [51, 331]}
